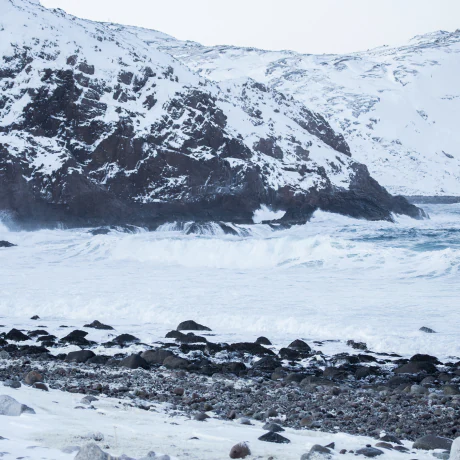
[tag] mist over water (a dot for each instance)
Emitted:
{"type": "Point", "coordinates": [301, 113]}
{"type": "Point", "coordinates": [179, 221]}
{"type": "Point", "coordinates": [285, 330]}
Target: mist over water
{"type": "Point", "coordinates": [334, 278]}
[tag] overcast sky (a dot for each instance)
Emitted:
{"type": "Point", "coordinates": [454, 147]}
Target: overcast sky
{"type": "Point", "coordinates": [309, 26]}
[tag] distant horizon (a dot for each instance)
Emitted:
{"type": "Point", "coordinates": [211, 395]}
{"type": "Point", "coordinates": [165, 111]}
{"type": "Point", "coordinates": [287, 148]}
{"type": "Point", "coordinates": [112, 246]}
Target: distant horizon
{"type": "Point", "coordinates": [301, 26]}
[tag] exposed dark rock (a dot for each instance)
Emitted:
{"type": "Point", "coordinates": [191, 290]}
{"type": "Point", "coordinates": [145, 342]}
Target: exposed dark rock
{"type": "Point", "coordinates": [134, 362]}
{"type": "Point", "coordinates": [252, 348]}
{"type": "Point", "coordinates": [80, 356]}
{"type": "Point", "coordinates": [77, 337]}
{"type": "Point", "coordinates": [263, 341]}
{"type": "Point", "coordinates": [191, 326]}
{"type": "Point", "coordinates": [274, 427]}
{"type": "Point", "coordinates": [427, 330]}
{"type": "Point", "coordinates": [156, 356]}
{"type": "Point", "coordinates": [431, 442]}
{"type": "Point", "coordinates": [240, 450]}
{"type": "Point", "coordinates": [98, 325]}
{"type": "Point", "coordinates": [317, 452]}
{"type": "Point", "coordinates": [369, 452]}
{"type": "Point", "coordinates": [416, 368]}
{"type": "Point", "coordinates": [357, 345]}
{"type": "Point", "coordinates": [40, 386]}
{"type": "Point", "coordinates": [174, 362]}
{"type": "Point", "coordinates": [300, 345]}
{"type": "Point", "coordinates": [35, 317]}
{"type": "Point", "coordinates": [16, 336]}
{"type": "Point", "coordinates": [274, 437]}
{"type": "Point", "coordinates": [33, 377]}
{"type": "Point", "coordinates": [123, 340]}
{"type": "Point", "coordinates": [6, 244]}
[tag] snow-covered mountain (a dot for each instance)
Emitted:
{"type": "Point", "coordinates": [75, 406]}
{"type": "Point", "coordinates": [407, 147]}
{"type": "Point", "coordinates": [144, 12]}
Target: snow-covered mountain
{"type": "Point", "coordinates": [97, 126]}
{"type": "Point", "coordinates": [397, 107]}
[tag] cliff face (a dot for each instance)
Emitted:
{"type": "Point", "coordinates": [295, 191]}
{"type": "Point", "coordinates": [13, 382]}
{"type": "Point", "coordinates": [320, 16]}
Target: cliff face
{"type": "Point", "coordinates": [397, 107]}
{"type": "Point", "coordinates": [97, 127]}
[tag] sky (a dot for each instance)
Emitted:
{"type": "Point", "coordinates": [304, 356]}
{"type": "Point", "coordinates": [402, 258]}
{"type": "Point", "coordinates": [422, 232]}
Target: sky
{"type": "Point", "coordinates": [307, 26]}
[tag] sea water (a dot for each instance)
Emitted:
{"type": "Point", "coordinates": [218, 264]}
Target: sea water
{"type": "Point", "coordinates": [335, 278]}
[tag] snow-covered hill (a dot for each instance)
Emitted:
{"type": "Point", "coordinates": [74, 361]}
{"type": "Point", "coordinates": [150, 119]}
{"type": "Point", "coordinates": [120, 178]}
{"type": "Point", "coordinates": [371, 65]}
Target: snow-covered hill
{"type": "Point", "coordinates": [398, 107]}
{"type": "Point", "coordinates": [96, 126]}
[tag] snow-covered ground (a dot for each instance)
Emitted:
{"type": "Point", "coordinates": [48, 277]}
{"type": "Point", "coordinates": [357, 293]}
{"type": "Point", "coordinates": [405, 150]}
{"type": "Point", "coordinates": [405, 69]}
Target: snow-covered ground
{"type": "Point", "coordinates": [334, 278]}
{"type": "Point", "coordinates": [58, 425]}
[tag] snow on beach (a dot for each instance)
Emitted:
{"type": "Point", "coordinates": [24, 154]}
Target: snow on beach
{"type": "Point", "coordinates": [58, 425]}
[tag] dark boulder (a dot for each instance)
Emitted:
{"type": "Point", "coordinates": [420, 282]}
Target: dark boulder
{"type": "Point", "coordinates": [252, 349]}
{"type": "Point", "coordinates": [240, 450]}
{"type": "Point", "coordinates": [134, 362]}
{"type": "Point", "coordinates": [77, 337]}
{"type": "Point", "coordinates": [16, 336]}
{"type": "Point", "coordinates": [416, 367]}
{"type": "Point", "coordinates": [300, 345]}
{"type": "Point", "coordinates": [156, 356]}
{"type": "Point", "coordinates": [123, 340]}
{"type": "Point", "coordinates": [431, 442]}
{"type": "Point", "coordinates": [81, 356]}
{"type": "Point", "coordinates": [174, 362]}
{"type": "Point", "coordinates": [427, 330]}
{"type": "Point", "coordinates": [98, 325]}
{"type": "Point", "coordinates": [317, 452]}
{"type": "Point", "coordinates": [274, 437]}
{"type": "Point", "coordinates": [424, 359]}
{"type": "Point", "coordinates": [369, 452]}
{"type": "Point", "coordinates": [6, 244]}
{"type": "Point", "coordinates": [263, 341]}
{"type": "Point", "coordinates": [191, 326]}
{"type": "Point", "coordinates": [267, 364]}
{"type": "Point", "coordinates": [35, 317]}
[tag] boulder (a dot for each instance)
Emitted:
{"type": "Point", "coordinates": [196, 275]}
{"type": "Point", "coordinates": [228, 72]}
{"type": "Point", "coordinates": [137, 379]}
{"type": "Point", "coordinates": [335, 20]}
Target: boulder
{"type": "Point", "coordinates": [35, 317]}
{"type": "Point", "coordinates": [16, 336]}
{"type": "Point", "coordinates": [40, 386]}
{"type": "Point", "coordinates": [427, 330]}
{"type": "Point", "coordinates": [240, 450]}
{"type": "Point", "coordinates": [6, 244]}
{"type": "Point", "coordinates": [123, 340]}
{"type": "Point", "coordinates": [134, 362]}
{"type": "Point", "coordinates": [192, 326]}
{"type": "Point", "coordinates": [300, 345]}
{"type": "Point", "coordinates": [455, 450]}
{"type": "Point", "coordinates": [92, 451]}
{"type": "Point", "coordinates": [98, 325]}
{"type": "Point", "coordinates": [252, 349]}
{"type": "Point", "coordinates": [263, 341]}
{"type": "Point", "coordinates": [174, 362]}
{"type": "Point", "coordinates": [156, 356]}
{"type": "Point", "coordinates": [416, 367]}
{"type": "Point", "coordinates": [81, 356]}
{"type": "Point", "coordinates": [77, 337]}
{"type": "Point", "coordinates": [10, 407]}
{"type": "Point", "coordinates": [33, 377]}
{"type": "Point", "coordinates": [273, 427]}
{"type": "Point", "coordinates": [274, 437]}
{"type": "Point", "coordinates": [317, 452]}
{"type": "Point", "coordinates": [369, 452]}
{"type": "Point", "coordinates": [431, 442]}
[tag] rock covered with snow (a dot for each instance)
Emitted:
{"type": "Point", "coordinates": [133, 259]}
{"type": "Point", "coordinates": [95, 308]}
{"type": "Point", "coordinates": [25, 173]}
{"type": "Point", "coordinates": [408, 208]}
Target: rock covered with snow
{"type": "Point", "coordinates": [92, 451]}
{"type": "Point", "coordinates": [12, 408]}
{"type": "Point", "coordinates": [98, 127]}
{"type": "Point", "coordinates": [397, 107]}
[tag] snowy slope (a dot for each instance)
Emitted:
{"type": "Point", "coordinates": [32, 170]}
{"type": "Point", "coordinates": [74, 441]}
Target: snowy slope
{"type": "Point", "coordinates": [398, 107]}
{"type": "Point", "coordinates": [96, 126]}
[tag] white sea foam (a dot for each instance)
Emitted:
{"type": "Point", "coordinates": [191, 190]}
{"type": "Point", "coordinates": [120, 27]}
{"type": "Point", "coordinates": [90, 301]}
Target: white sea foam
{"type": "Point", "coordinates": [334, 278]}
